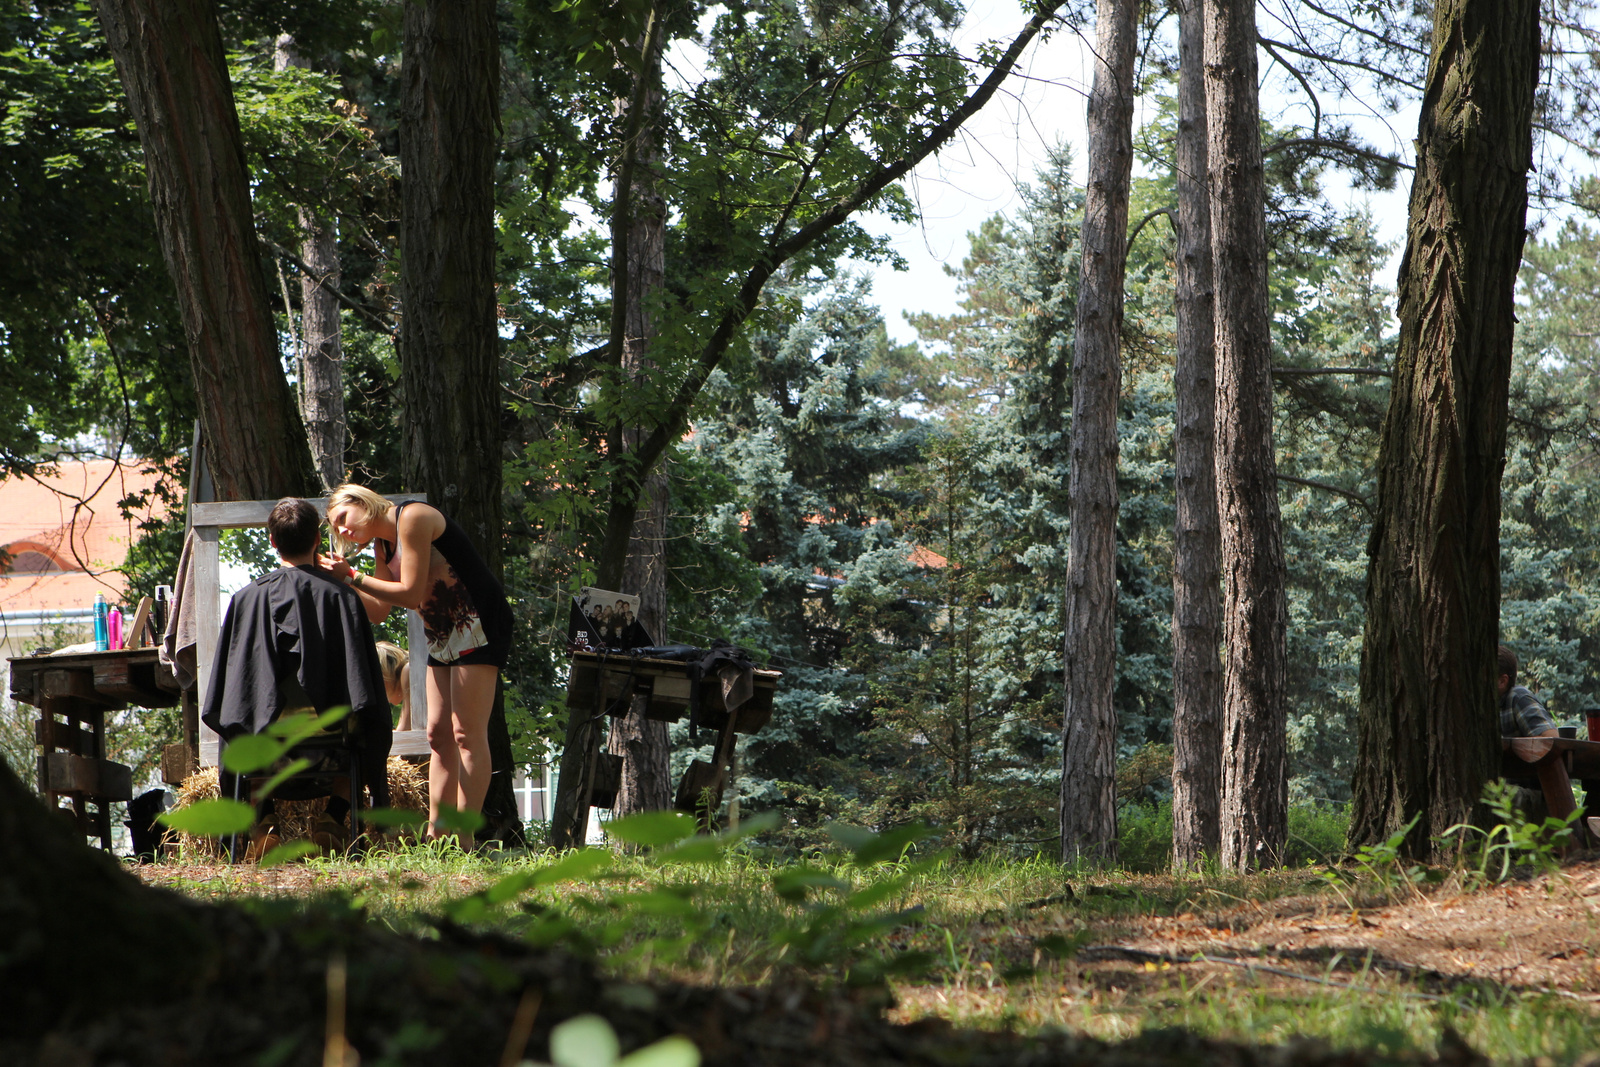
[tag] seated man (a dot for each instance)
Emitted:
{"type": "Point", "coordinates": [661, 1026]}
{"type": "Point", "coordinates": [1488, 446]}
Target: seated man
{"type": "Point", "coordinates": [1521, 714]}
{"type": "Point", "coordinates": [299, 639]}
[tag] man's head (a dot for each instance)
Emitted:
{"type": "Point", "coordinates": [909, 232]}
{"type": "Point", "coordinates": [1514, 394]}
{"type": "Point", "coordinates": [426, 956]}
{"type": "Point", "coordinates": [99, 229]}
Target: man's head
{"type": "Point", "coordinates": [1508, 670]}
{"type": "Point", "coordinates": [294, 527]}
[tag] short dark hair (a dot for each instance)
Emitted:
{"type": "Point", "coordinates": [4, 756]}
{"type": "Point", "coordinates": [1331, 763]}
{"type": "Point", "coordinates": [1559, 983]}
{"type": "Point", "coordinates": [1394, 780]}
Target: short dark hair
{"type": "Point", "coordinates": [1508, 664]}
{"type": "Point", "coordinates": [294, 526]}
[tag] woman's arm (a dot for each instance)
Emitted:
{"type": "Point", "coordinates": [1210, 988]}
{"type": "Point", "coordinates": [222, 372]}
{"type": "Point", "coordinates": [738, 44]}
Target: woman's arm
{"type": "Point", "coordinates": [418, 525]}
{"type": "Point", "coordinates": [342, 569]}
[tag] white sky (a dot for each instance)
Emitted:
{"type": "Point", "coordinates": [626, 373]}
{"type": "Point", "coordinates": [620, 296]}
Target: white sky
{"type": "Point", "coordinates": [1005, 143]}
{"type": "Point", "coordinates": [1043, 104]}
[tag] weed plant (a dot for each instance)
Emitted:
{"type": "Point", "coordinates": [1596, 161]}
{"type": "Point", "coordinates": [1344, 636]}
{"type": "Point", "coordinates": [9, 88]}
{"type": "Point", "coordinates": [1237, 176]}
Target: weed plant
{"type": "Point", "coordinates": [989, 943]}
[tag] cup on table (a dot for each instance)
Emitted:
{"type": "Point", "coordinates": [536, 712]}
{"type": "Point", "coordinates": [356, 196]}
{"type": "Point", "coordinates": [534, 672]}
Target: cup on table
{"type": "Point", "coordinates": [1568, 732]}
{"type": "Point", "coordinates": [1592, 715]}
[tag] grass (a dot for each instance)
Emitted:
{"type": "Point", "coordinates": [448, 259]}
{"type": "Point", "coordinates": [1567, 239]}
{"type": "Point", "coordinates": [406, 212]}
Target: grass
{"type": "Point", "coordinates": [993, 943]}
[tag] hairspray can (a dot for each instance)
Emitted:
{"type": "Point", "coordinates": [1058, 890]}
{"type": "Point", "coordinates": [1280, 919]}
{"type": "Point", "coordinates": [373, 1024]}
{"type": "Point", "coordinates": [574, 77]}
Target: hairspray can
{"type": "Point", "coordinates": [102, 637]}
{"type": "Point", "coordinates": [114, 628]}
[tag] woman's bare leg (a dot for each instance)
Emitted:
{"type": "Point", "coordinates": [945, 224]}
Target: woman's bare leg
{"type": "Point", "coordinates": [471, 700]}
{"type": "Point", "coordinates": [444, 765]}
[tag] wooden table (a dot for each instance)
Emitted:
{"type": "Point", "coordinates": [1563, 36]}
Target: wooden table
{"type": "Point", "coordinates": [608, 683]}
{"type": "Point", "coordinates": [73, 694]}
{"type": "Point", "coordinates": [1552, 762]}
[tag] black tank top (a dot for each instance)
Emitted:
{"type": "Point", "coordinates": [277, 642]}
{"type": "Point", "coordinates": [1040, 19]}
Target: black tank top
{"type": "Point", "coordinates": [461, 592]}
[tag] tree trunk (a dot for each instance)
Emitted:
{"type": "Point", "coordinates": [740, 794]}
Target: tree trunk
{"type": "Point", "coordinates": [1254, 817]}
{"type": "Point", "coordinates": [169, 55]}
{"type": "Point", "coordinates": [639, 494]}
{"type": "Point", "coordinates": [1089, 729]}
{"type": "Point", "coordinates": [321, 359]}
{"type": "Point", "coordinates": [1428, 729]}
{"type": "Point", "coordinates": [640, 741]}
{"type": "Point", "coordinates": [62, 904]}
{"type": "Point", "coordinates": [1196, 569]}
{"type": "Point", "coordinates": [449, 341]}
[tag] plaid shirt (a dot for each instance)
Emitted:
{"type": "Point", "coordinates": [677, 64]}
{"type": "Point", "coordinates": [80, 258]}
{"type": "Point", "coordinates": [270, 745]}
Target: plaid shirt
{"type": "Point", "coordinates": [1521, 714]}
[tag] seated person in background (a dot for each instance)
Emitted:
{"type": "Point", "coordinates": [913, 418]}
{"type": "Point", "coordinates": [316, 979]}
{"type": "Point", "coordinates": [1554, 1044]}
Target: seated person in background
{"type": "Point", "coordinates": [1521, 714]}
{"type": "Point", "coordinates": [396, 663]}
{"type": "Point", "coordinates": [295, 639]}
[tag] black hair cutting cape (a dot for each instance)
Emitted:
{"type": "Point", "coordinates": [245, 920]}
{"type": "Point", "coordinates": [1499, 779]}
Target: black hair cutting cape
{"type": "Point", "coordinates": [303, 622]}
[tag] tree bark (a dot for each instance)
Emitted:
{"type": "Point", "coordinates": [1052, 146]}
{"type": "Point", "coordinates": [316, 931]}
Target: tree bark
{"type": "Point", "coordinates": [62, 904]}
{"type": "Point", "coordinates": [1196, 570]}
{"type": "Point", "coordinates": [170, 58]}
{"type": "Point", "coordinates": [1428, 729]}
{"type": "Point", "coordinates": [449, 341]}
{"type": "Point", "coordinates": [638, 267]}
{"type": "Point", "coordinates": [641, 741]}
{"type": "Point", "coordinates": [1089, 727]}
{"type": "Point", "coordinates": [1254, 815]}
{"type": "Point", "coordinates": [321, 357]}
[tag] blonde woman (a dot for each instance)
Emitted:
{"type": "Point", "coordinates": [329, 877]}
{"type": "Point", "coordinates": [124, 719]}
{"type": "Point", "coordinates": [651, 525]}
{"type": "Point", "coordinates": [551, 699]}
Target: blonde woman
{"type": "Point", "coordinates": [422, 559]}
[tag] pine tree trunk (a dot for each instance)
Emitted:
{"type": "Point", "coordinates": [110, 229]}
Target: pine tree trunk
{"type": "Point", "coordinates": [1428, 730]}
{"type": "Point", "coordinates": [449, 341]}
{"type": "Point", "coordinates": [170, 58]}
{"type": "Point", "coordinates": [1089, 730]}
{"type": "Point", "coordinates": [321, 359]}
{"type": "Point", "coordinates": [1196, 570]}
{"type": "Point", "coordinates": [1254, 817]}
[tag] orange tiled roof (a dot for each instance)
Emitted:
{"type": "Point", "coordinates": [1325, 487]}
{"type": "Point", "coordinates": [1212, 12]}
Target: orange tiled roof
{"type": "Point", "coordinates": [66, 535]}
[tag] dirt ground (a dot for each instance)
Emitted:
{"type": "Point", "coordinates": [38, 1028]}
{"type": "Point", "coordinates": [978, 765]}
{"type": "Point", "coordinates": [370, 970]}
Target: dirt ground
{"type": "Point", "coordinates": [1536, 934]}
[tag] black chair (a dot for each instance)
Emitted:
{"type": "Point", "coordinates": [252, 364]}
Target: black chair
{"type": "Point", "coordinates": [333, 753]}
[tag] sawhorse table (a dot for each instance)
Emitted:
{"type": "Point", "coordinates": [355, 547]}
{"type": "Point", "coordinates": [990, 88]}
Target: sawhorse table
{"type": "Point", "coordinates": [74, 693]}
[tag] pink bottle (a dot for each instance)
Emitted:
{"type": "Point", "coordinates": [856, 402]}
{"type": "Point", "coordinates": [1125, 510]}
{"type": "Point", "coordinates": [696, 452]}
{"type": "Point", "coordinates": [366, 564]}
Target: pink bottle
{"type": "Point", "coordinates": [114, 628]}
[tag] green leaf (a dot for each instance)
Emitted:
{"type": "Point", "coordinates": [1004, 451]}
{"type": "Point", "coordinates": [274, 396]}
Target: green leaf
{"type": "Point", "coordinates": [252, 752]}
{"type": "Point", "coordinates": [452, 821]}
{"type": "Point", "coordinates": [674, 1051]}
{"type": "Point", "coordinates": [288, 852]}
{"type": "Point", "coordinates": [652, 828]}
{"type": "Point", "coordinates": [796, 883]}
{"type": "Point", "coordinates": [575, 866]}
{"type": "Point", "coordinates": [211, 818]}
{"type": "Point", "coordinates": [876, 893]}
{"type": "Point", "coordinates": [696, 850]}
{"type": "Point", "coordinates": [850, 837]}
{"type": "Point", "coordinates": [584, 1041]}
{"type": "Point", "coordinates": [1061, 947]}
{"type": "Point", "coordinates": [293, 768]}
{"type": "Point", "coordinates": [885, 847]}
{"type": "Point", "coordinates": [296, 728]}
{"type": "Point", "coordinates": [760, 823]}
{"type": "Point", "coordinates": [394, 817]}
{"type": "Point", "coordinates": [663, 902]}
{"type": "Point", "coordinates": [912, 962]}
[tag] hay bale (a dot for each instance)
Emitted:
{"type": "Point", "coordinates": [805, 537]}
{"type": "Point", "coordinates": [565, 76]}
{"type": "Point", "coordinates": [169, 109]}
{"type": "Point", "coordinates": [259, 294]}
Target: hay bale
{"type": "Point", "coordinates": [408, 791]}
